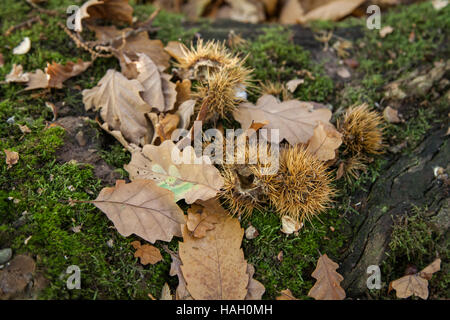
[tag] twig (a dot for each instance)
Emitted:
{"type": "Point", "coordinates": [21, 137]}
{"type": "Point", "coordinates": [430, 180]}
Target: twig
{"type": "Point", "coordinates": [144, 26]}
{"type": "Point", "coordinates": [80, 44]}
{"type": "Point", "coordinates": [148, 23]}
{"type": "Point", "coordinates": [42, 10]}
{"type": "Point", "coordinates": [26, 23]}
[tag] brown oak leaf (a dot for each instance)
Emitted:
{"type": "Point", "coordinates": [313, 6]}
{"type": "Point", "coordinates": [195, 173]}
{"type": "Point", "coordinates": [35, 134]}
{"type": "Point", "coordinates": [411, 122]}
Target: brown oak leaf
{"type": "Point", "coordinates": [17, 75]}
{"type": "Point", "coordinates": [327, 286]}
{"type": "Point", "coordinates": [147, 253]}
{"type": "Point", "coordinates": [286, 295]}
{"type": "Point", "coordinates": [166, 125]}
{"type": "Point", "coordinates": [294, 119]}
{"type": "Point", "coordinates": [416, 284]}
{"type": "Point", "coordinates": [37, 80]}
{"type": "Point", "coordinates": [214, 266]}
{"type": "Point", "coordinates": [111, 10]}
{"type": "Point", "coordinates": [165, 293]}
{"type": "Point", "coordinates": [159, 92]}
{"type": "Point", "coordinates": [255, 289]}
{"type": "Point", "coordinates": [324, 142]}
{"type": "Point", "coordinates": [59, 73]}
{"type": "Point", "coordinates": [183, 89]}
{"type": "Point", "coordinates": [199, 220]}
{"type": "Point", "coordinates": [12, 157]}
{"type": "Point", "coordinates": [142, 208]}
{"type": "Point", "coordinates": [181, 292]}
{"type": "Point", "coordinates": [126, 49]}
{"type": "Point", "coordinates": [196, 179]}
{"type": "Point", "coordinates": [120, 106]}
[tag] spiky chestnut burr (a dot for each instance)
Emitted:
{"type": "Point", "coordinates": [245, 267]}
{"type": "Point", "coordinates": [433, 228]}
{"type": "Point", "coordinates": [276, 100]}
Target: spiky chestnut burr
{"type": "Point", "coordinates": [241, 193]}
{"type": "Point", "coordinates": [207, 58]}
{"type": "Point", "coordinates": [242, 190]}
{"type": "Point", "coordinates": [222, 91]}
{"type": "Point", "coordinates": [362, 130]}
{"type": "Point", "coordinates": [301, 188]}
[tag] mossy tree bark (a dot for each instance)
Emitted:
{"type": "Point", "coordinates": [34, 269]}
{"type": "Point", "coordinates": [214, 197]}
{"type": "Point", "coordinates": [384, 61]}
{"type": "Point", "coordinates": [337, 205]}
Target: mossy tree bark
{"type": "Point", "coordinates": [408, 182]}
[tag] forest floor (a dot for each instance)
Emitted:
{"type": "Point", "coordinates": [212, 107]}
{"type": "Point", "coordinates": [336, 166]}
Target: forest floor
{"type": "Point", "coordinates": [408, 70]}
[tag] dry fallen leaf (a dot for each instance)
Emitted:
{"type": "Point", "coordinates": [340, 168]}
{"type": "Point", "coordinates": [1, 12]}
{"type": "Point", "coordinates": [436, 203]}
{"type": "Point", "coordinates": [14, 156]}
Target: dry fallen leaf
{"type": "Point", "coordinates": [432, 268]}
{"type": "Point", "coordinates": [112, 10]}
{"type": "Point", "coordinates": [214, 266]}
{"type": "Point", "coordinates": [53, 77]}
{"type": "Point", "coordinates": [251, 233]}
{"type": "Point", "coordinates": [185, 112]}
{"type": "Point", "coordinates": [147, 253]}
{"type": "Point", "coordinates": [286, 295]}
{"type": "Point", "coordinates": [142, 208]}
{"type": "Point", "coordinates": [199, 221]}
{"type": "Point", "coordinates": [255, 126]}
{"type": "Point", "coordinates": [385, 31]}
{"type": "Point", "coordinates": [37, 80]}
{"type": "Point", "coordinates": [294, 119]}
{"type": "Point", "coordinates": [127, 49]}
{"type": "Point", "coordinates": [24, 128]}
{"type": "Point", "coordinates": [280, 256]}
{"type": "Point", "coordinates": [343, 73]}
{"type": "Point", "coordinates": [289, 225]}
{"type": "Point", "coordinates": [16, 74]}
{"type": "Point", "coordinates": [255, 289]}
{"type": "Point", "coordinates": [177, 50]}
{"type": "Point", "coordinates": [59, 73]}
{"type": "Point", "coordinates": [291, 12]}
{"type": "Point", "coordinates": [12, 157]}
{"type": "Point", "coordinates": [120, 106]}
{"type": "Point", "coordinates": [194, 9]}
{"type": "Point", "coordinates": [324, 142]}
{"type": "Point", "coordinates": [439, 4]}
{"type": "Point", "coordinates": [327, 286]}
{"type": "Point", "coordinates": [416, 284]}
{"type": "Point", "coordinates": [242, 10]}
{"type": "Point", "coordinates": [181, 292]}
{"type": "Point", "coordinates": [183, 89]}
{"type": "Point", "coordinates": [159, 92]}
{"type": "Point", "coordinates": [165, 293]}
{"type": "Point", "coordinates": [196, 180]}
{"type": "Point", "coordinates": [166, 125]}
{"type": "Point", "coordinates": [391, 115]}
{"type": "Point", "coordinates": [23, 47]}
{"type": "Point", "coordinates": [293, 84]}
{"type": "Point", "coordinates": [330, 10]}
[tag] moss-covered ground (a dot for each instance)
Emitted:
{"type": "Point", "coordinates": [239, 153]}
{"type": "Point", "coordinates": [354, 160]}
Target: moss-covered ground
{"type": "Point", "coordinates": [36, 217]}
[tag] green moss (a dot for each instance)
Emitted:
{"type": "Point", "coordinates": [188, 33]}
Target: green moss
{"type": "Point", "coordinates": [386, 59]}
{"type": "Point", "coordinates": [300, 252]}
{"type": "Point", "coordinates": [116, 156]}
{"type": "Point", "coordinates": [396, 51]}
{"type": "Point", "coordinates": [34, 196]}
{"type": "Point", "coordinates": [412, 131]}
{"type": "Point", "coordinates": [274, 57]}
{"type": "Point", "coordinates": [415, 243]}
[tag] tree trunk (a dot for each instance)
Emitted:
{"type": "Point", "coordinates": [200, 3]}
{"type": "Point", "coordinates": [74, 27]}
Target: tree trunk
{"type": "Point", "coordinates": [408, 182]}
